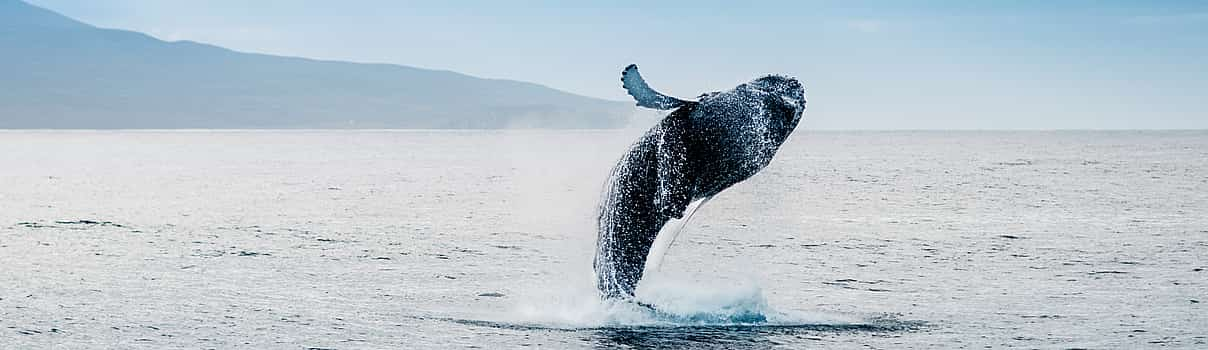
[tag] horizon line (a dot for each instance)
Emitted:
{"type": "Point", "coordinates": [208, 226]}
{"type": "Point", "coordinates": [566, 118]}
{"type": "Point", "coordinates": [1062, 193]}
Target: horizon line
{"type": "Point", "coordinates": [18, 130]}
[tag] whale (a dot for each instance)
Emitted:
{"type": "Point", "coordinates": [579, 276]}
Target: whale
{"type": "Point", "coordinates": [696, 151]}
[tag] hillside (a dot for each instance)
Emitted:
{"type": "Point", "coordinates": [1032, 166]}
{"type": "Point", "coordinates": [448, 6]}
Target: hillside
{"type": "Point", "coordinates": [61, 73]}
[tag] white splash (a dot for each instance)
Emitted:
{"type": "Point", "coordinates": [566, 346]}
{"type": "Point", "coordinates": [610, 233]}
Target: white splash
{"type": "Point", "coordinates": [676, 304]}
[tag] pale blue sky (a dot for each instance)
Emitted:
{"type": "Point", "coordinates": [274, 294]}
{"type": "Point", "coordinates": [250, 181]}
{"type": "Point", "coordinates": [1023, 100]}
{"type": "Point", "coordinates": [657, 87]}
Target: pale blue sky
{"type": "Point", "coordinates": [870, 65]}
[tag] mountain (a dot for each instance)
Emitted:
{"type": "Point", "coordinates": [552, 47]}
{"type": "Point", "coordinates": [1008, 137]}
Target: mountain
{"type": "Point", "coordinates": [56, 72]}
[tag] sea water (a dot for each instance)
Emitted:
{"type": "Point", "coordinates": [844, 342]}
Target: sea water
{"type": "Point", "coordinates": [484, 239]}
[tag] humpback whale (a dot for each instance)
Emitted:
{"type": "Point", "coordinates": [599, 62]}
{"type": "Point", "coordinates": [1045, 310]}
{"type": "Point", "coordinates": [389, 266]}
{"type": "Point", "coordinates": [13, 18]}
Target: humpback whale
{"type": "Point", "coordinates": [698, 150]}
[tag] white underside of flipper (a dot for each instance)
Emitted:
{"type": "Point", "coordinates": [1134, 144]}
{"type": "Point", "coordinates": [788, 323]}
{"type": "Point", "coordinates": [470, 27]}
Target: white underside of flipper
{"type": "Point", "coordinates": [643, 94]}
{"type": "Point", "coordinates": [666, 237]}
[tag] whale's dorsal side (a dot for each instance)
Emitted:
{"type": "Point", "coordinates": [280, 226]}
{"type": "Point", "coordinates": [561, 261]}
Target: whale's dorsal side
{"type": "Point", "coordinates": [643, 94]}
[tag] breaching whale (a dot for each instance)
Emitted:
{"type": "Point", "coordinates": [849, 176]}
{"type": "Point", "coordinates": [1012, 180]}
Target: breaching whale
{"type": "Point", "coordinates": [698, 150]}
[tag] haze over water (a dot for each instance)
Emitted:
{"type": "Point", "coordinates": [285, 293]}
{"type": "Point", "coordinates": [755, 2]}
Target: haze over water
{"type": "Point", "coordinates": [462, 239]}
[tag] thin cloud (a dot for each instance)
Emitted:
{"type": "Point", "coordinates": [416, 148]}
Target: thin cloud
{"type": "Point", "coordinates": [1182, 18]}
{"type": "Point", "coordinates": [867, 25]}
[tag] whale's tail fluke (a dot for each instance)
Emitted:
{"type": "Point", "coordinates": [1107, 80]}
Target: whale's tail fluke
{"type": "Point", "coordinates": [643, 94]}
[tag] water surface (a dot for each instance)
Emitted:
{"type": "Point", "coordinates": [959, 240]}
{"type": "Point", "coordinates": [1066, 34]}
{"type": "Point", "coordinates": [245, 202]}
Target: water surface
{"type": "Point", "coordinates": [460, 239]}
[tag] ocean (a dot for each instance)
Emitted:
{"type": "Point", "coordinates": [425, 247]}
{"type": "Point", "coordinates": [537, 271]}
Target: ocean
{"type": "Point", "coordinates": [484, 239]}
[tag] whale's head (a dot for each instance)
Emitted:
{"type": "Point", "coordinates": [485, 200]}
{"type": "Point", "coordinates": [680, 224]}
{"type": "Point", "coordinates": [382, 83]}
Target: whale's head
{"type": "Point", "coordinates": [786, 92]}
{"type": "Point", "coordinates": [787, 88]}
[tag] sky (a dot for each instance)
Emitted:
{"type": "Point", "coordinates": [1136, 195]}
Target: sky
{"type": "Point", "coordinates": [865, 64]}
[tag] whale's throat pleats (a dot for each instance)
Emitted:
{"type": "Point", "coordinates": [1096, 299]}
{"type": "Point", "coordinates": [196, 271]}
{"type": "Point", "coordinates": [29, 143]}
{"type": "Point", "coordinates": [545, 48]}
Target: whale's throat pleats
{"type": "Point", "coordinates": [674, 177]}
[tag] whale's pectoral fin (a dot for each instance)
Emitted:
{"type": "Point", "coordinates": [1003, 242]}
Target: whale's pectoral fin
{"type": "Point", "coordinates": [675, 190]}
{"type": "Point", "coordinates": [643, 94]}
